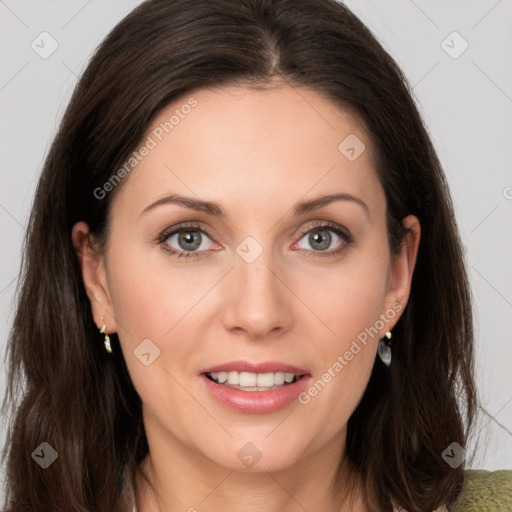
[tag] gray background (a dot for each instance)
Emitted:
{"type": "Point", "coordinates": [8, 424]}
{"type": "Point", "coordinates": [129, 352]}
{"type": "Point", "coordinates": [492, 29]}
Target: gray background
{"type": "Point", "coordinates": [465, 99]}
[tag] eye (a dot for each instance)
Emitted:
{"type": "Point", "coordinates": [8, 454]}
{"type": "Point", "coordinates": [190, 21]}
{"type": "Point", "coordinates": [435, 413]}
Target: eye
{"type": "Point", "coordinates": [186, 240]}
{"type": "Point", "coordinates": [323, 236]}
{"type": "Point", "coordinates": [191, 240]}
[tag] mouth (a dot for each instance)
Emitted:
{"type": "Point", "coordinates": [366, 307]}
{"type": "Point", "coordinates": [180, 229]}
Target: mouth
{"type": "Point", "coordinates": [248, 381]}
{"type": "Point", "coordinates": [255, 387]}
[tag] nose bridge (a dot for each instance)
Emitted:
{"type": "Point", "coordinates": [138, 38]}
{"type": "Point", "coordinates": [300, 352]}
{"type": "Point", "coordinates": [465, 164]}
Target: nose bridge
{"type": "Point", "coordinates": [254, 268]}
{"type": "Point", "coordinates": [257, 302]}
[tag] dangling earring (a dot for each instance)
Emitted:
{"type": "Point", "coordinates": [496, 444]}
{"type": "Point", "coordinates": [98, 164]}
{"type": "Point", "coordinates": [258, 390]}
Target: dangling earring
{"type": "Point", "coordinates": [108, 348]}
{"type": "Point", "coordinates": [384, 349]}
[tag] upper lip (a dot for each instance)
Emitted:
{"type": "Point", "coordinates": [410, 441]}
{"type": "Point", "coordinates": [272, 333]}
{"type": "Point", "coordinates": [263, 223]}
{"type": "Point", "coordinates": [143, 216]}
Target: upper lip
{"type": "Point", "coordinates": [263, 367]}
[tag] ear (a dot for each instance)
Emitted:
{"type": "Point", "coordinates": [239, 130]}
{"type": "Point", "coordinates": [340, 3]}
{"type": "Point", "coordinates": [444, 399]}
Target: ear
{"type": "Point", "coordinates": [94, 276]}
{"type": "Point", "coordinates": [402, 267]}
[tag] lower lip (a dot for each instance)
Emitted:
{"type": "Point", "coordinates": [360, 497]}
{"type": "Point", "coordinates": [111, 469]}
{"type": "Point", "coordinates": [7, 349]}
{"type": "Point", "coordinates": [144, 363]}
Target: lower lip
{"type": "Point", "coordinates": [256, 401]}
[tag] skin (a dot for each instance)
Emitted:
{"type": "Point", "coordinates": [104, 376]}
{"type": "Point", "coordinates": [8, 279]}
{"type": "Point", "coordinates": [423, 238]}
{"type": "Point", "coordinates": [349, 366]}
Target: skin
{"type": "Point", "coordinates": [291, 304]}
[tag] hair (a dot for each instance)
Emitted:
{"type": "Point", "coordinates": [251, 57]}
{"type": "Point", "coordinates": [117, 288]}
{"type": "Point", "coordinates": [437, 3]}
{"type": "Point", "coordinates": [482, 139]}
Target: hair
{"type": "Point", "coordinates": [65, 390]}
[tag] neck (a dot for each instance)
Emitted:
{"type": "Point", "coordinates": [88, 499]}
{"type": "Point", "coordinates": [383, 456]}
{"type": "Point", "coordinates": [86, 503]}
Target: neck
{"type": "Point", "coordinates": [181, 479]}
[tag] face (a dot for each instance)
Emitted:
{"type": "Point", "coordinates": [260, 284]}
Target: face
{"type": "Point", "coordinates": [250, 278]}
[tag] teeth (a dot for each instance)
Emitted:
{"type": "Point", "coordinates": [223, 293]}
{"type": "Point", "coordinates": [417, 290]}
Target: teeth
{"type": "Point", "coordinates": [279, 378]}
{"type": "Point", "coordinates": [248, 380]}
{"type": "Point", "coordinates": [252, 381]}
{"type": "Point", "coordinates": [265, 380]}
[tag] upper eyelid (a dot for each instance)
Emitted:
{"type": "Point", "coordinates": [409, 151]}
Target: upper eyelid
{"type": "Point", "coordinates": [192, 226]}
{"type": "Point", "coordinates": [328, 225]}
{"type": "Point", "coordinates": [197, 225]}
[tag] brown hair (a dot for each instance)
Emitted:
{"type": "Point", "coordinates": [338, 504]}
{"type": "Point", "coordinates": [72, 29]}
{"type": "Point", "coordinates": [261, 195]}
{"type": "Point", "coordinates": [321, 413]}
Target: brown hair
{"type": "Point", "coordinates": [63, 390]}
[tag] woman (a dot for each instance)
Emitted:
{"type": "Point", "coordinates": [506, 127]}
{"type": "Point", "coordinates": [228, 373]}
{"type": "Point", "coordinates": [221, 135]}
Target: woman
{"type": "Point", "coordinates": [244, 287]}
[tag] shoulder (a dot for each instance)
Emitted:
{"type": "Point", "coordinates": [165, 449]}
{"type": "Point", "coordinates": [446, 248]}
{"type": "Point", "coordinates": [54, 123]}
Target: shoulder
{"type": "Point", "coordinates": [486, 491]}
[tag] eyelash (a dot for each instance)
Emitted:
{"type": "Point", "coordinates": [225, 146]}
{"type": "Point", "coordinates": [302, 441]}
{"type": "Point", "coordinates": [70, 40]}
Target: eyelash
{"type": "Point", "coordinates": [331, 226]}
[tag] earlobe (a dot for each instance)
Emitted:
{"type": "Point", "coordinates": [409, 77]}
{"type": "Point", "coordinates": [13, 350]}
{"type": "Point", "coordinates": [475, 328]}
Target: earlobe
{"type": "Point", "coordinates": [94, 277]}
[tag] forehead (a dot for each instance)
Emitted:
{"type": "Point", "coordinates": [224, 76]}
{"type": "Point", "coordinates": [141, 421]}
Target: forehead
{"type": "Point", "coordinates": [258, 143]}
{"type": "Point", "coordinates": [278, 115]}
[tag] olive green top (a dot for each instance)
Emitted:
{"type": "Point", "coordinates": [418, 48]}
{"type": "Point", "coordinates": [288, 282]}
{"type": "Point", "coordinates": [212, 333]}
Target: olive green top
{"type": "Point", "coordinates": [486, 491]}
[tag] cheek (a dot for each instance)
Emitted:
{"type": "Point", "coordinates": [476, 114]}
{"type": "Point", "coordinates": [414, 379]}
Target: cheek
{"type": "Point", "coordinates": [350, 304]}
{"type": "Point", "coordinates": [150, 312]}
{"type": "Point", "coordinates": [146, 305]}
{"type": "Point", "coordinates": [341, 374]}
{"type": "Point", "coordinates": [151, 293]}
{"type": "Point", "coordinates": [348, 297]}
{"type": "Point", "coordinates": [158, 300]}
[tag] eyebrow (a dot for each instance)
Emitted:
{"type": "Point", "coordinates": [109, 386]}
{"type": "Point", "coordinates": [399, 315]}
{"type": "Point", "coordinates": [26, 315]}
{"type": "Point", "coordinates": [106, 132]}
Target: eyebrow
{"type": "Point", "coordinates": [216, 209]}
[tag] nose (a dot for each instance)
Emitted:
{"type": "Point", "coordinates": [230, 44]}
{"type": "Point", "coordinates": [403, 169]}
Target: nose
{"type": "Point", "coordinates": [258, 302]}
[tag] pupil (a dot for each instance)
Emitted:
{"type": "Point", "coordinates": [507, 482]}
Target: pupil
{"type": "Point", "coordinates": [317, 238]}
{"type": "Point", "coordinates": [189, 237]}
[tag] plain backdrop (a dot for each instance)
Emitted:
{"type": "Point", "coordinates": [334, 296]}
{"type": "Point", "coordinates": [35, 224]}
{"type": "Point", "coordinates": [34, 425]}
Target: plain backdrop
{"type": "Point", "coordinates": [457, 55]}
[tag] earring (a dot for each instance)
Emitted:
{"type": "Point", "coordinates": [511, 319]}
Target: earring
{"type": "Point", "coordinates": [384, 349]}
{"type": "Point", "coordinates": [108, 348]}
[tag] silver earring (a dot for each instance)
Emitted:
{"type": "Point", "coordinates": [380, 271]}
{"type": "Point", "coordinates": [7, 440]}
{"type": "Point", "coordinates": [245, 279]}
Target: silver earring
{"type": "Point", "coordinates": [384, 349]}
{"type": "Point", "coordinates": [108, 348]}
